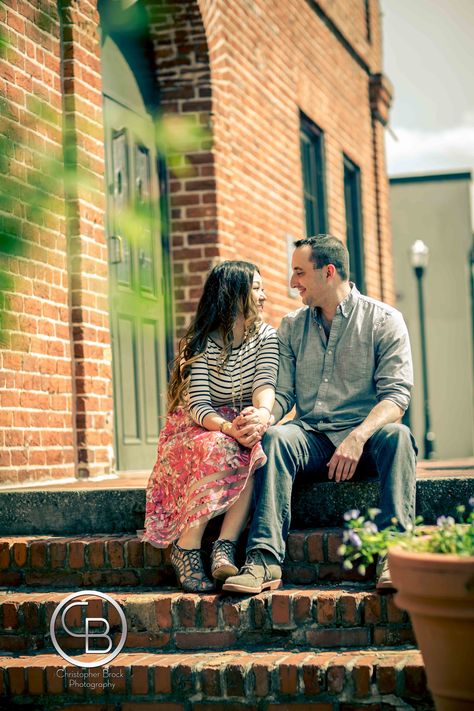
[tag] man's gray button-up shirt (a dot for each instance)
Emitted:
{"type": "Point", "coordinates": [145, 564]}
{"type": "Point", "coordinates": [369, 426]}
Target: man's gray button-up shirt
{"type": "Point", "coordinates": [336, 380]}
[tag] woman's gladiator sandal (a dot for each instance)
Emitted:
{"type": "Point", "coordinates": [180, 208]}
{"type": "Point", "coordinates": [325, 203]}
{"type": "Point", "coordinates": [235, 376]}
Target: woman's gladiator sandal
{"type": "Point", "coordinates": [189, 569]}
{"type": "Point", "coordinates": [223, 559]}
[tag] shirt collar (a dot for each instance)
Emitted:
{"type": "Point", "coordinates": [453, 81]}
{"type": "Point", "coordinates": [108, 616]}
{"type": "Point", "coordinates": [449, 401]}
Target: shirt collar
{"type": "Point", "coordinates": [346, 305]}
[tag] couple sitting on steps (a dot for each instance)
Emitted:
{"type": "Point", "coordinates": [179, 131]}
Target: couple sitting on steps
{"type": "Point", "coordinates": [343, 360]}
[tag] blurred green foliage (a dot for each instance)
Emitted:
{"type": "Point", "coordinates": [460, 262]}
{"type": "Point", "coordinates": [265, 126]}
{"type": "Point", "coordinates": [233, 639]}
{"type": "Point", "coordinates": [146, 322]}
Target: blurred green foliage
{"type": "Point", "coordinates": [39, 168]}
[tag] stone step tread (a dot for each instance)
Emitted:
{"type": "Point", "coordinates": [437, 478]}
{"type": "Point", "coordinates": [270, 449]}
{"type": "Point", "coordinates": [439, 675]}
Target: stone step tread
{"type": "Point", "coordinates": [238, 674]}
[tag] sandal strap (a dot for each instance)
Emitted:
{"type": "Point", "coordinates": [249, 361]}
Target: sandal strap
{"type": "Point", "coordinates": [189, 568]}
{"type": "Point", "coordinates": [223, 552]}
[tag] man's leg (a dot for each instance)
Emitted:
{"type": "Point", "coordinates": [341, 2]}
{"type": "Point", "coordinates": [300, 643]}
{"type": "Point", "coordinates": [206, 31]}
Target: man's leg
{"type": "Point", "coordinates": [393, 450]}
{"type": "Point", "coordinates": [290, 449]}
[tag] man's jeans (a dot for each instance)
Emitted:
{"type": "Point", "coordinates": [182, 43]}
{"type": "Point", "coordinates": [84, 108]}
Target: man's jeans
{"type": "Point", "coordinates": [292, 450]}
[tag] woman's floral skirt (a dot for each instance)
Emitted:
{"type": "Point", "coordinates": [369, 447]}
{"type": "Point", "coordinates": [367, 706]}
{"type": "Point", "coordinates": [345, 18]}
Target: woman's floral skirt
{"type": "Point", "coordinates": [198, 475]}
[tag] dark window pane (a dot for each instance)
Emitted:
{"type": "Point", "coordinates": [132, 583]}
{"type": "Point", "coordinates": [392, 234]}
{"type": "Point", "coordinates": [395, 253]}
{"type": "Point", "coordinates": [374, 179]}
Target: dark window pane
{"type": "Point", "coordinates": [355, 242]}
{"type": "Point", "coordinates": [312, 157]}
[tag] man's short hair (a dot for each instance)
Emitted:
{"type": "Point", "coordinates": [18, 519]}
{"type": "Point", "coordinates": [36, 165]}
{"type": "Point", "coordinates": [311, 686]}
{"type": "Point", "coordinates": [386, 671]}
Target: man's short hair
{"type": "Point", "coordinates": [326, 249]}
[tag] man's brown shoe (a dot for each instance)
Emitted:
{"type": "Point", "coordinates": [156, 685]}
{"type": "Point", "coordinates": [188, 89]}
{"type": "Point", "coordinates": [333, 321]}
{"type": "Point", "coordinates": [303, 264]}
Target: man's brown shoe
{"type": "Point", "coordinates": [259, 573]}
{"type": "Point", "coordinates": [383, 579]}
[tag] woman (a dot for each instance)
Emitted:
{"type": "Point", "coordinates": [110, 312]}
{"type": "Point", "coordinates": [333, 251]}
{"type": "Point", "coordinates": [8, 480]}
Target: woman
{"type": "Point", "coordinates": [220, 396]}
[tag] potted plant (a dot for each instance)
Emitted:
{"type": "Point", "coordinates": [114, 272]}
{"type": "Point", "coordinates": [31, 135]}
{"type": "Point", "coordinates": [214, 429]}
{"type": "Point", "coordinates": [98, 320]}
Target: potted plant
{"type": "Point", "coordinates": [433, 572]}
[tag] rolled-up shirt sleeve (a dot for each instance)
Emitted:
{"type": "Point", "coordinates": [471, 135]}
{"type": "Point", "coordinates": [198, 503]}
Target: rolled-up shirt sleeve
{"type": "Point", "coordinates": [285, 390]}
{"type": "Point", "coordinates": [266, 364]}
{"type": "Point", "coordinates": [200, 403]}
{"type": "Point", "coordinates": [393, 375]}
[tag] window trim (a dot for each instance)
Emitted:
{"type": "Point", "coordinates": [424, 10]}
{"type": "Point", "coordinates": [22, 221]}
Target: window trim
{"type": "Point", "coordinates": [316, 137]}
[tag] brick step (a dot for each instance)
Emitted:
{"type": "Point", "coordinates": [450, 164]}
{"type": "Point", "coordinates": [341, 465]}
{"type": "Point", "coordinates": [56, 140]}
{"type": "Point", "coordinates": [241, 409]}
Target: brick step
{"type": "Point", "coordinates": [322, 617]}
{"type": "Point", "coordinates": [269, 680]}
{"type": "Point", "coordinates": [118, 560]}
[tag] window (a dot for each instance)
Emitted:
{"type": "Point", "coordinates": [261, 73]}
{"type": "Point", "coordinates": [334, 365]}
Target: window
{"type": "Point", "coordinates": [312, 162]}
{"type": "Point", "coordinates": [368, 21]}
{"type": "Point", "coordinates": [355, 243]}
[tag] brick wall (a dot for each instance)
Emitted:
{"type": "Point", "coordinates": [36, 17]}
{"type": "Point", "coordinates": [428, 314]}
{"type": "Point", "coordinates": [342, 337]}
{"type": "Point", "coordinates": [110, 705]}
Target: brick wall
{"type": "Point", "coordinates": [36, 398]}
{"type": "Point", "coordinates": [244, 70]}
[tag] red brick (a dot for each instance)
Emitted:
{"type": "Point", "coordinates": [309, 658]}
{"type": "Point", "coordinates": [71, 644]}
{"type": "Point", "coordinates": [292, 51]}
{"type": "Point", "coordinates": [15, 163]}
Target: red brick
{"type": "Point", "coordinates": [186, 610]}
{"type": "Point", "coordinates": [20, 553]}
{"type": "Point", "coordinates": [38, 551]}
{"type": "Point", "coordinates": [16, 678]}
{"type": "Point", "coordinates": [261, 679]}
{"type": "Point", "coordinates": [326, 608]}
{"type": "Point", "coordinates": [96, 553]}
{"type": "Point", "coordinates": [362, 675]}
{"type": "Point", "coordinates": [76, 554]}
{"type": "Point", "coordinates": [315, 547]}
{"type": "Point", "coordinates": [36, 681]}
{"type": "Point", "coordinates": [414, 678]}
{"type": "Point", "coordinates": [163, 613]}
{"type": "Point", "coordinates": [348, 609]}
{"type": "Point", "coordinates": [372, 609]}
{"type": "Point", "coordinates": [281, 608]}
{"type": "Point", "coordinates": [334, 541]}
{"type": "Point", "coordinates": [288, 675]}
{"type": "Point", "coordinates": [10, 615]}
{"type": "Point", "coordinates": [231, 614]}
{"type": "Point", "coordinates": [302, 607]}
{"type": "Point", "coordinates": [57, 554]}
{"type": "Point", "coordinates": [4, 555]}
{"type": "Point", "coordinates": [209, 608]}
{"type": "Point", "coordinates": [139, 680]}
{"type": "Point", "coordinates": [162, 678]}
{"type": "Point", "coordinates": [135, 555]}
{"type": "Point", "coordinates": [234, 675]}
{"type": "Point", "coordinates": [337, 637]}
{"type": "Point", "coordinates": [220, 639]}
{"type": "Point", "coordinates": [211, 680]}
{"type": "Point", "coordinates": [295, 546]}
{"type": "Point", "coordinates": [115, 554]}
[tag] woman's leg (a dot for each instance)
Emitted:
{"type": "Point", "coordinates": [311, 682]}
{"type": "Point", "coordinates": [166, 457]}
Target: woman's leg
{"type": "Point", "coordinates": [236, 517]}
{"type": "Point", "coordinates": [192, 536]}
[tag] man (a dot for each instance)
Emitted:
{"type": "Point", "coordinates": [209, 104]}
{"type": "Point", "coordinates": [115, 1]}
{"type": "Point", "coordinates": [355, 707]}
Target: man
{"type": "Point", "coordinates": [345, 362]}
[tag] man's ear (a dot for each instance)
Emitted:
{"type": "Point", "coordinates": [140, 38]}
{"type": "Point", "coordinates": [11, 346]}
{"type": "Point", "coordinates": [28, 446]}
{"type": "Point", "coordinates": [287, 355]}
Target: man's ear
{"type": "Point", "coordinates": [330, 271]}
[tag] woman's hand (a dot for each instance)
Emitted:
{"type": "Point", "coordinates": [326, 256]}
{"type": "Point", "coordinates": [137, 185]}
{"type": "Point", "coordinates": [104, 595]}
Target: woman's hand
{"type": "Point", "coordinates": [246, 432]}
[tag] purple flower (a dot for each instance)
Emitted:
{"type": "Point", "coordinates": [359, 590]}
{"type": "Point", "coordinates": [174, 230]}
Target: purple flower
{"type": "Point", "coordinates": [370, 527]}
{"type": "Point", "coordinates": [471, 502]}
{"type": "Point", "coordinates": [354, 539]}
{"type": "Point", "coordinates": [445, 521]}
{"type": "Point", "coordinates": [352, 514]}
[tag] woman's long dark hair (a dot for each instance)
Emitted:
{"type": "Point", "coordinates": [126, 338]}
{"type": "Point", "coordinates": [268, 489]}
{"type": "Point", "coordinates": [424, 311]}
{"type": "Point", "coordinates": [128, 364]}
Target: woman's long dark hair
{"type": "Point", "coordinates": [227, 292]}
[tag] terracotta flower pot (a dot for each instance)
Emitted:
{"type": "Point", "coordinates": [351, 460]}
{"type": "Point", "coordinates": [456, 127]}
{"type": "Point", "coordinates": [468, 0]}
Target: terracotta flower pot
{"type": "Point", "coordinates": [438, 593]}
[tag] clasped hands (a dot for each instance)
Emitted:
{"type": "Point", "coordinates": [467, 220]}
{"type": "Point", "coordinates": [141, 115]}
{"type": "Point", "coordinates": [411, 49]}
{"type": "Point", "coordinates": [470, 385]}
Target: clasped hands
{"type": "Point", "coordinates": [249, 426]}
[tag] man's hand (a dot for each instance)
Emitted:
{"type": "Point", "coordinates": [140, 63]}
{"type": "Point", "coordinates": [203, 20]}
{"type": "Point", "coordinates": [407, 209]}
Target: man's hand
{"type": "Point", "coordinates": [247, 435]}
{"type": "Point", "coordinates": [345, 459]}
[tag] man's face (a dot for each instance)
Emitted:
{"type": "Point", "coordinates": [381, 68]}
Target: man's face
{"type": "Point", "coordinates": [310, 282]}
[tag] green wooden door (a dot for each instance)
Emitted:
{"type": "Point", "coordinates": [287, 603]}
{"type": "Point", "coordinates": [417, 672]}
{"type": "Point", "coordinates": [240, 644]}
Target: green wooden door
{"type": "Point", "coordinates": [136, 285]}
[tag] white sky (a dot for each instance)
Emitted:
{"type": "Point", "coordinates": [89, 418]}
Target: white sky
{"type": "Point", "coordinates": [429, 58]}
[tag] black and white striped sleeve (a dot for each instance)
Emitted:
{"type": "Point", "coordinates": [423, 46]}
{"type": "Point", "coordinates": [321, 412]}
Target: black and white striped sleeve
{"type": "Point", "coordinates": [266, 367]}
{"type": "Point", "coordinates": [200, 403]}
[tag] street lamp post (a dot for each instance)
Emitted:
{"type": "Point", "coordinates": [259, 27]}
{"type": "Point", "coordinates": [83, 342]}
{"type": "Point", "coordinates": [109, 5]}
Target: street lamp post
{"type": "Point", "coordinates": [419, 262]}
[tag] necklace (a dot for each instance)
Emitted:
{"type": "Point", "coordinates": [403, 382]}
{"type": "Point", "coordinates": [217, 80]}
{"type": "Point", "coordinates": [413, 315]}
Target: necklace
{"type": "Point", "coordinates": [229, 368]}
{"type": "Point", "coordinates": [241, 393]}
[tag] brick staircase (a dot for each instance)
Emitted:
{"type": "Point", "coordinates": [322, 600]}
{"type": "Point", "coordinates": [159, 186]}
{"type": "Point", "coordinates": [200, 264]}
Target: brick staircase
{"type": "Point", "coordinates": [325, 641]}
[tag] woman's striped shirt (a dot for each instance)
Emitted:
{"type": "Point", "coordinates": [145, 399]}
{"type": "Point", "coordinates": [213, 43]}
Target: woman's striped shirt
{"type": "Point", "coordinates": [252, 364]}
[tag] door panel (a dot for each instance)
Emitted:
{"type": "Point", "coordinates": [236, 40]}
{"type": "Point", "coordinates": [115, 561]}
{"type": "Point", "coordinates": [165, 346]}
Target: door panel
{"type": "Point", "coordinates": [136, 296]}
